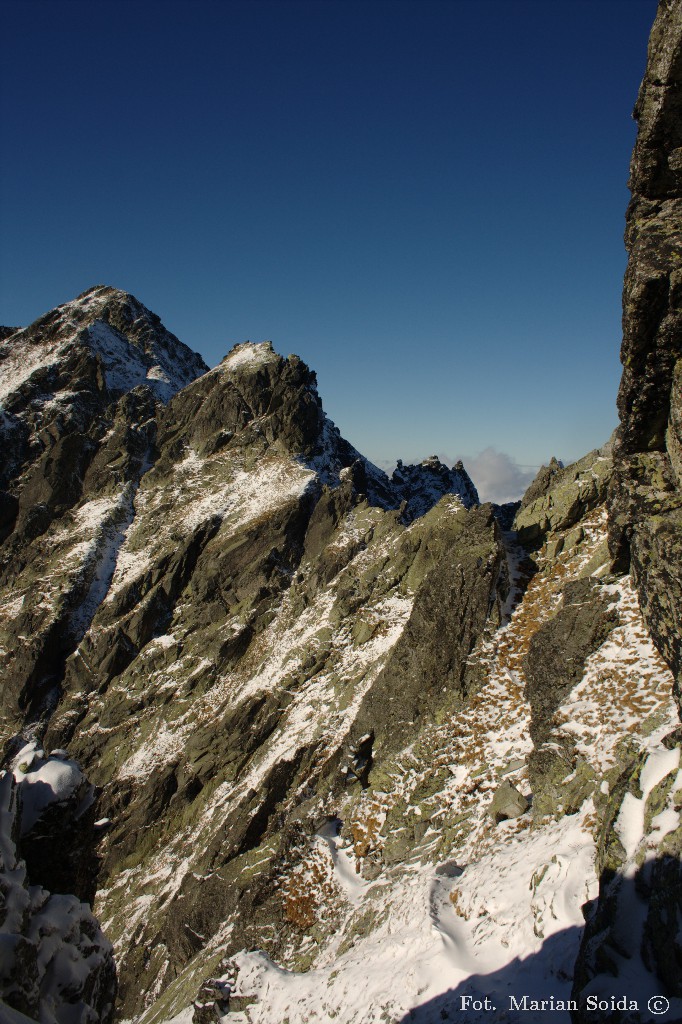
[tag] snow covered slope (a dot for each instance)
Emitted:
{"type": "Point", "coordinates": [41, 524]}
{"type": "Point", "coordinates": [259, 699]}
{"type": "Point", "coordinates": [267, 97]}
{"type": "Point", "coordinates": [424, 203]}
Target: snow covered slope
{"type": "Point", "coordinates": [412, 904]}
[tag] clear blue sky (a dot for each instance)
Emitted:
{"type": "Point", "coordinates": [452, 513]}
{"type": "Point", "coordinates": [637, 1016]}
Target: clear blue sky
{"type": "Point", "coordinates": [424, 200]}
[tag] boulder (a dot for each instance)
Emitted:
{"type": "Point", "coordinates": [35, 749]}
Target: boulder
{"type": "Point", "coordinates": [507, 803]}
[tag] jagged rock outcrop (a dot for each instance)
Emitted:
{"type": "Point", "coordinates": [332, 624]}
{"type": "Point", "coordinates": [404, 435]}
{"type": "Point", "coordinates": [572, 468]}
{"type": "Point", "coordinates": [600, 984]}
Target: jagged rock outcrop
{"type": "Point", "coordinates": [421, 486]}
{"type": "Point", "coordinates": [646, 500]}
{"type": "Point", "coordinates": [55, 963]}
{"type": "Point", "coordinates": [561, 496]}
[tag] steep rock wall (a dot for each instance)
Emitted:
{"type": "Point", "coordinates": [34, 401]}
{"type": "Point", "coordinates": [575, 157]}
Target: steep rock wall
{"type": "Point", "coordinates": [646, 496]}
{"type": "Point", "coordinates": [632, 928]}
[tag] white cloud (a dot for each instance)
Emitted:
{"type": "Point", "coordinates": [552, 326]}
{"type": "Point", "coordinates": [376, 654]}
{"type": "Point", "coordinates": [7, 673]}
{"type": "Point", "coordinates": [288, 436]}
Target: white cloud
{"type": "Point", "coordinates": [498, 477]}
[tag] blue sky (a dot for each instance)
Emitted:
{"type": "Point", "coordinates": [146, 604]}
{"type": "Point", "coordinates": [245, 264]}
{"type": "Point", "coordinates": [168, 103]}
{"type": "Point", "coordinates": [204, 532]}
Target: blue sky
{"type": "Point", "coordinates": [424, 200]}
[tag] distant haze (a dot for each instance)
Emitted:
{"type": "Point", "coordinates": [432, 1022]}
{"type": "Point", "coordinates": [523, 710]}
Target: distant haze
{"type": "Point", "coordinates": [497, 476]}
{"type": "Point", "coordinates": [424, 200]}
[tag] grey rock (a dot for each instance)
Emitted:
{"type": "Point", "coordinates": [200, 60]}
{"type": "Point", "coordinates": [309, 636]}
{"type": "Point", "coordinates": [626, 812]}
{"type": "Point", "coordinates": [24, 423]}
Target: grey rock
{"type": "Point", "coordinates": [427, 670]}
{"type": "Point", "coordinates": [646, 497]}
{"type": "Point", "coordinates": [212, 1002]}
{"type": "Point", "coordinates": [421, 486]}
{"type": "Point", "coordinates": [560, 497]}
{"type": "Point", "coordinates": [558, 650]}
{"type": "Point", "coordinates": [507, 803]}
{"type": "Point", "coordinates": [542, 483]}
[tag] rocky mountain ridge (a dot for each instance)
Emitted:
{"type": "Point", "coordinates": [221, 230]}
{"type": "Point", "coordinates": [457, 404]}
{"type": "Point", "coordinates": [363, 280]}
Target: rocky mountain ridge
{"type": "Point", "coordinates": [334, 746]}
{"type": "Point", "coordinates": [278, 626]}
{"type": "Point", "coordinates": [169, 554]}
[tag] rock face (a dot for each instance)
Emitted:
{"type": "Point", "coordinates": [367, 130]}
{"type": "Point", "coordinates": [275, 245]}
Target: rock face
{"type": "Point", "coordinates": [638, 864]}
{"type": "Point", "coordinates": [56, 964]}
{"type": "Point", "coordinates": [646, 503]}
{"type": "Point", "coordinates": [421, 486]}
{"type": "Point", "coordinates": [560, 496]}
{"type": "Point", "coordinates": [79, 390]}
{"type": "Point", "coordinates": [458, 598]}
{"type": "Point", "coordinates": [554, 665]}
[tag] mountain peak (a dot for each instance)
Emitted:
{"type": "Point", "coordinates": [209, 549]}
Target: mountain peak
{"type": "Point", "coordinates": [281, 394]}
{"type": "Point", "coordinates": [249, 353]}
{"type": "Point", "coordinates": [129, 342]}
{"type": "Point", "coordinates": [101, 290]}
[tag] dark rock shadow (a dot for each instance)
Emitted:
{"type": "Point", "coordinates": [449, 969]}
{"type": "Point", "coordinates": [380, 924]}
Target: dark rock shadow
{"type": "Point", "coordinates": [490, 998]}
{"type": "Point", "coordinates": [621, 968]}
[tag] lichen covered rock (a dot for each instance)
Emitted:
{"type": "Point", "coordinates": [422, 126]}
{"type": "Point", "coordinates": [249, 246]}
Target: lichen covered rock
{"type": "Point", "coordinates": [560, 496]}
{"type": "Point", "coordinates": [646, 497]}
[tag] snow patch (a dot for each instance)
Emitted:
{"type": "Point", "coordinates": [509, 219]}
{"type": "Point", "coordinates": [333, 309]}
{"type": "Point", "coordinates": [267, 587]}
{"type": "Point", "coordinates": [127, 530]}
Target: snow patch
{"type": "Point", "coordinates": [124, 364]}
{"type": "Point", "coordinates": [249, 354]}
{"type": "Point", "coordinates": [44, 781]}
